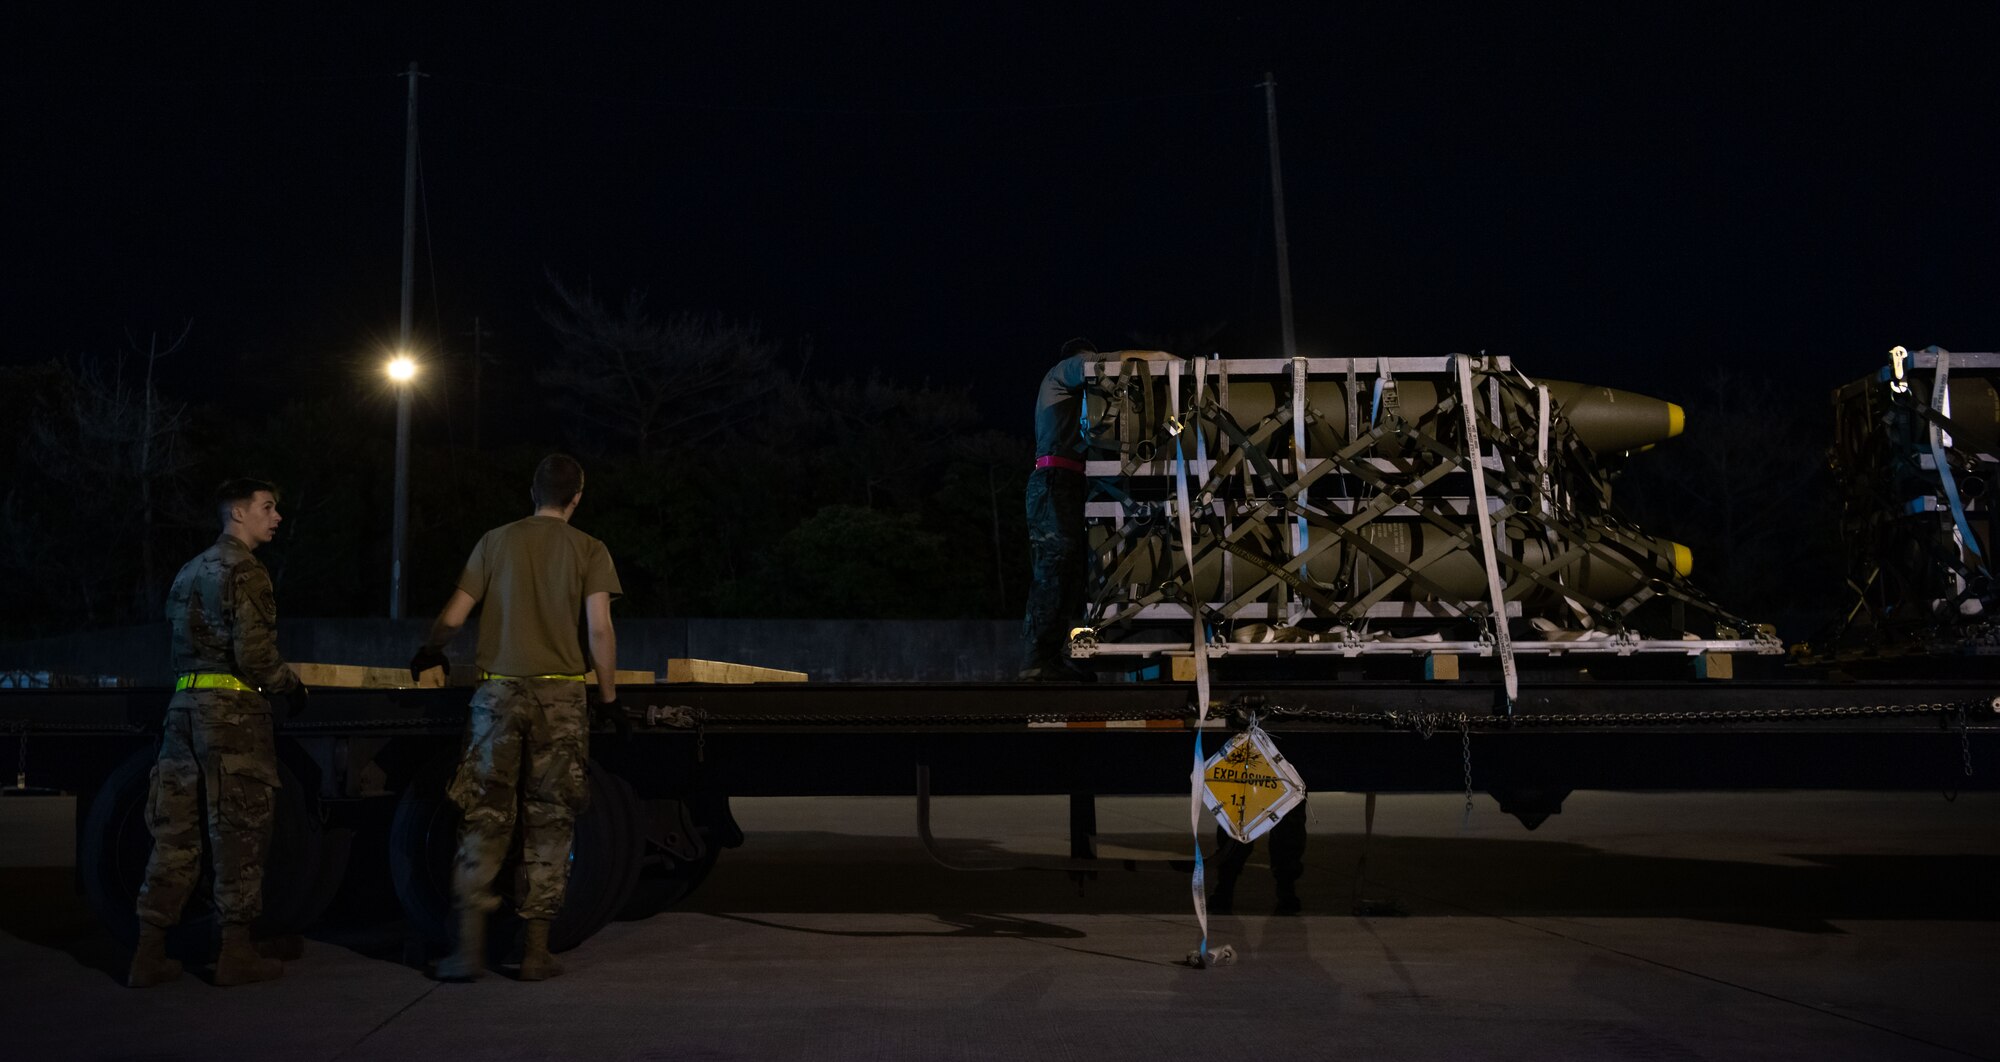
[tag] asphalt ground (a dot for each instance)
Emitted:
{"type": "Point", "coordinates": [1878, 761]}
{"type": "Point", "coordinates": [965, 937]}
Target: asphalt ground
{"type": "Point", "coordinates": [1631, 926]}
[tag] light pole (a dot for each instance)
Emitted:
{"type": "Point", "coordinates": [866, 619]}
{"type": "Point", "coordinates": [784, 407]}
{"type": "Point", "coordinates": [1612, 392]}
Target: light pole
{"type": "Point", "coordinates": [402, 370]}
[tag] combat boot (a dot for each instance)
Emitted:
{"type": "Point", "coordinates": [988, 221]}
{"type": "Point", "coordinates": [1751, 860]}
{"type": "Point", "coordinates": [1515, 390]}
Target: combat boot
{"type": "Point", "coordinates": [536, 962]}
{"type": "Point", "coordinates": [469, 961]}
{"type": "Point", "coordinates": [150, 965]}
{"type": "Point", "coordinates": [239, 964]}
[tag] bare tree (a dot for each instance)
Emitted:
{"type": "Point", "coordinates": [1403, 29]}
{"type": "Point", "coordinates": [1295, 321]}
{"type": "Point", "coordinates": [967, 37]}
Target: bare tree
{"type": "Point", "coordinates": [680, 380]}
{"type": "Point", "coordinates": [102, 434]}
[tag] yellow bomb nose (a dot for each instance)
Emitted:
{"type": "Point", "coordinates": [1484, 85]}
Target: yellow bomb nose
{"type": "Point", "coordinates": [1683, 556]}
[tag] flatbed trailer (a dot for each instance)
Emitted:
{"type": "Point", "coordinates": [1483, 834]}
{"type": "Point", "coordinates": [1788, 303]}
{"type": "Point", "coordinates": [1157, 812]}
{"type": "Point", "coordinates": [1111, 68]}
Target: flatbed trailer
{"type": "Point", "coordinates": [364, 772]}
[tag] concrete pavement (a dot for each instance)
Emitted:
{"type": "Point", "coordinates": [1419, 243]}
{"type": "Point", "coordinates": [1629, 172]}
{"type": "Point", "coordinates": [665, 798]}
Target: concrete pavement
{"type": "Point", "coordinates": [1710, 926]}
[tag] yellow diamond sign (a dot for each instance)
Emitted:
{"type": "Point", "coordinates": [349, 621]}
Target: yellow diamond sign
{"type": "Point", "coordinates": [1248, 786]}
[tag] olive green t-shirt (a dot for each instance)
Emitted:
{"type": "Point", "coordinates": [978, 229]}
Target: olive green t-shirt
{"type": "Point", "coordinates": [533, 575]}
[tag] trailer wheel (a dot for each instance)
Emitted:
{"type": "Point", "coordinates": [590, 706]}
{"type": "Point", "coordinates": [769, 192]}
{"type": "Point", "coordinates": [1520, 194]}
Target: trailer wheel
{"type": "Point", "coordinates": [665, 881]}
{"type": "Point", "coordinates": [423, 842]}
{"type": "Point", "coordinates": [302, 868]}
{"type": "Point", "coordinates": [683, 839]}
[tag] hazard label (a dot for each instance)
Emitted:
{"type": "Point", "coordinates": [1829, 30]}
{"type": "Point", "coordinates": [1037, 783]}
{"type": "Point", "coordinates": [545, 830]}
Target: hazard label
{"type": "Point", "coordinates": [1248, 786]}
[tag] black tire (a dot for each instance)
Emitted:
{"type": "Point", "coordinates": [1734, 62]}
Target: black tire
{"type": "Point", "coordinates": [631, 845]}
{"type": "Point", "coordinates": [667, 873]}
{"type": "Point", "coordinates": [302, 868]}
{"type": "Point", "coordinates": [665, 881]}
{"type": "Point", "coordinates": [424, 841]}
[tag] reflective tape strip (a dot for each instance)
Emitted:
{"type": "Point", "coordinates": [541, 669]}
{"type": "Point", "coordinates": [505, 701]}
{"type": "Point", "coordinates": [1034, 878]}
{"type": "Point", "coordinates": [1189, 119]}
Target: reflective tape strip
{"type": "Point", "coordinates": [212, 680]}
{"type": "Point", "coordinates": [488, 675]}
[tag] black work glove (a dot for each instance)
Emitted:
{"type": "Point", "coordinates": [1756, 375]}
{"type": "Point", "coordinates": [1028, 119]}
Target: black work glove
{"type": "Point", "coordinates": [295, 700]}
{"type": "Point", "coordinates": [612, 713]}
{"type": "Point", "coordinates": [428, 657]}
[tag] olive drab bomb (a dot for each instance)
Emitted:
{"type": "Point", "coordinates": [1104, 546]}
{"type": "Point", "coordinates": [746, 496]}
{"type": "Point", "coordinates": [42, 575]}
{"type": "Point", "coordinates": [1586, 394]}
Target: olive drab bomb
{"type": "Point", "coordinates": [1333, 509]}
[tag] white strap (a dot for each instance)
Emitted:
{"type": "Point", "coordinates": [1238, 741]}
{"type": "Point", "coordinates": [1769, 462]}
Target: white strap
{"type": "Point", "coordinates": [1476, 458]}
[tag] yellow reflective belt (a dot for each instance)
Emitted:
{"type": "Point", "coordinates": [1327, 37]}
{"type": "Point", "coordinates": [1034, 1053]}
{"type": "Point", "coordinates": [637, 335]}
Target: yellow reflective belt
{"type": "Point", "coordinates": [563, 678]}
{"type": "Point", "coordinates": [212, 680]}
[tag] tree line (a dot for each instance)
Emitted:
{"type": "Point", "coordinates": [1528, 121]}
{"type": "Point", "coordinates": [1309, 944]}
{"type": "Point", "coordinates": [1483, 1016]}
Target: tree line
{"type": "Point", "coordinates": [726, 479]}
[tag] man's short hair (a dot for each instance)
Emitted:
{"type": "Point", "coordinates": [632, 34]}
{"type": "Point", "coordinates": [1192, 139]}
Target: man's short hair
{"type": "Point", "coordinates": [557, 479]}
{"type": "Point", "coordinates": [1079, 345]}
{"type": "Point", "coordinates": [240, 489]}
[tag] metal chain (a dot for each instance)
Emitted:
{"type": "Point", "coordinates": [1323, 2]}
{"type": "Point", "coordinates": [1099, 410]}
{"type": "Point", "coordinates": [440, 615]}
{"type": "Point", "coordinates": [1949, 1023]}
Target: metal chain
{"type": "Point", "coordinates": [1465, 753]}
{"type": "Point", "coordinates": [1426, 722]}
{"type": "Point", "coordinates": [1964, 743]}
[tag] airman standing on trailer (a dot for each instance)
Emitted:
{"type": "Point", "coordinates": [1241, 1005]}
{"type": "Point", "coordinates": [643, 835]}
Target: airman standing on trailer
{"type": "Point", "coordinates": [1057, 489]}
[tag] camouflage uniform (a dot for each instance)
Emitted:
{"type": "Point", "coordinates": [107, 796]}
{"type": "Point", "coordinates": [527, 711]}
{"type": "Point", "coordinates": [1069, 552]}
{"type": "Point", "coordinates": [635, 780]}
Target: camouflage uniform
{"type": "Point", "coordinates": [216, 750]}
{"type": "Point", "coordinates": [539, 725]}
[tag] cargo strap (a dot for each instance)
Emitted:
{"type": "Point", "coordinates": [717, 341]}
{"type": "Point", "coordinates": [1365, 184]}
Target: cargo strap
{"type": "Point", "coordinates": [1475, 460]}
{"type": "Point", "coordinates": [212, 680]}
{"type": "Point", "coordinates": [490, 676]}
{"type": "Point", "coordinates": [1941, 402]}
{"type": "Point", "coordinates": [1183, 443]}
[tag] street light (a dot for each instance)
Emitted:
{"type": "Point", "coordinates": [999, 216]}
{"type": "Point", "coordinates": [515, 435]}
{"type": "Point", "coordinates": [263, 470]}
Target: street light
{"type": "Point", "coordinates": [402, 370]}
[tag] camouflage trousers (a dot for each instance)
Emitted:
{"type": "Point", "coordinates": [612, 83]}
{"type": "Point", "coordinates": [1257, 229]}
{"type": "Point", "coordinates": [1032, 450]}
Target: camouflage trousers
{"type": "Point", "coordinates": [217, 764]}
{"type": "Point", "coordinates": [525, 750]}
{"type": "Point", "coordinates": [1061, 567]}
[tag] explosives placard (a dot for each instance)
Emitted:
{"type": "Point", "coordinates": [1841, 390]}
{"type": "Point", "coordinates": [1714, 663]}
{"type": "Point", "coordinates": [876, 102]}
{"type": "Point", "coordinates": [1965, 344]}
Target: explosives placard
{"type": "Point", "coordinates": [1248, 786]}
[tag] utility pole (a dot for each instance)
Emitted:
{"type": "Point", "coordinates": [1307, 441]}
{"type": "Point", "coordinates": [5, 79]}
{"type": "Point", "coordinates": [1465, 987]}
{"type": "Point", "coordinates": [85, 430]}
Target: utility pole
{"type": "Point", "coordinates": [1278, 217]}
{"type": "Point", "coordinates": [401, 522]}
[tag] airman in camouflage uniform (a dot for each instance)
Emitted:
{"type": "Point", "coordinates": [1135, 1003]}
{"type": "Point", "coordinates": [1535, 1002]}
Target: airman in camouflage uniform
{"type": "Point", "coordinates": [527, 742]}
{"type": "Point", "coordinates": [217, 763]}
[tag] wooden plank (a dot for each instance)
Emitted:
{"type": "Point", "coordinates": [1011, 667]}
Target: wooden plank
{"type": "Point", "coordinates": [1442, 667]}
{"type": "Point", "coordinates": [722, 671]}
{"type": "Point", "coordinates": [345, 676]}
{"type": "Point", "coordinates": [1183, 668]}
{"type": "Point", "coordinates": [361, 677]}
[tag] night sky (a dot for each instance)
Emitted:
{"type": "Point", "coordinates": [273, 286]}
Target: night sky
{"type": "Point", "coordinates": [1619, 194]}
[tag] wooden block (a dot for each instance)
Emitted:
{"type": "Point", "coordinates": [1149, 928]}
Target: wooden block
{"type": "Point", "coordinates": [720, 671]}
{"type": "Point", "coordinates": [632, 678]}
{"type": "Point", "coordinates": [1715, 666]}
{"type": "Point", "coordinates": [1441, 666]}
{"type": "Point", "coordinates": [359, 677]}
{"type": "Point", "coordinates": [341, 676]}
{"type": "Point", "coordinates": [1183, 668]}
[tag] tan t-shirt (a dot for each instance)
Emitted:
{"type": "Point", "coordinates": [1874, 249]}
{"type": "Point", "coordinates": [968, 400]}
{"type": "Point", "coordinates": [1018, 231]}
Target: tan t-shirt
{"type": "Point", "coordinates": [533, 575]}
